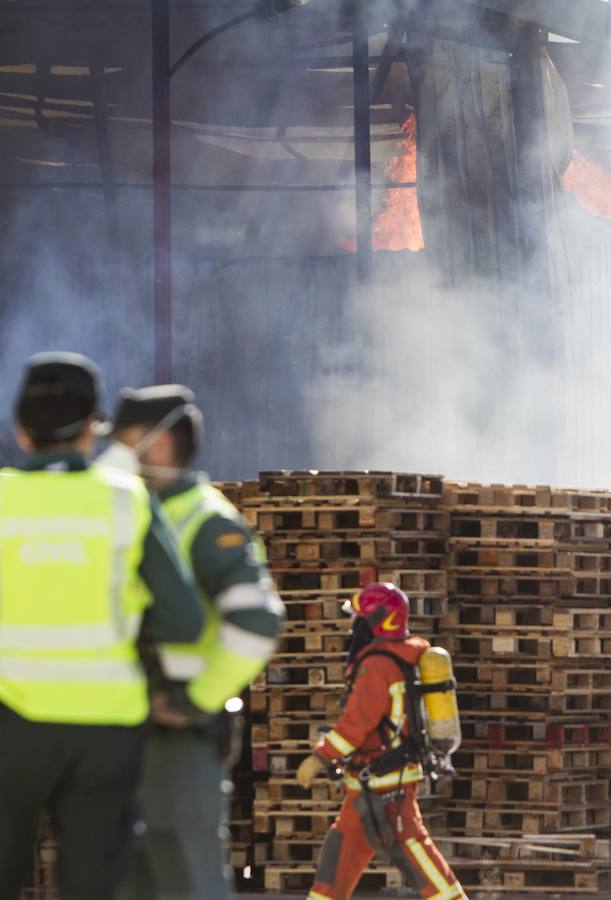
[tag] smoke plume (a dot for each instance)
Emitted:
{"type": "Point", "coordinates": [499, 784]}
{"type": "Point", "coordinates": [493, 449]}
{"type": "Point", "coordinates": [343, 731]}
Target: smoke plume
{"type": "Point", "coordinates": [481, 381]}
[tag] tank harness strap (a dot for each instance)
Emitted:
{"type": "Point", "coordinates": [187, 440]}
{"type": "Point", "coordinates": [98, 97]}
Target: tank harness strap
{"type": "Point", "coordinates": [408, 751]}
{"type": "Point", "coordinates": [438, 687]}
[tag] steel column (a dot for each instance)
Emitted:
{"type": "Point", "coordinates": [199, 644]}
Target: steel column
{"type": "Point", "coordinates": [533, 157]}
{"type": "Point", "coordinates": [362, 142]}
{"type": "Point", "coordinates": [100, 111]}
{"type": "Point", "coordinates": [162, 191]}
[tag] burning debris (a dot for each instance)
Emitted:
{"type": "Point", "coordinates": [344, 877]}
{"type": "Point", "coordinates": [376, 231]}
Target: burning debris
{"type": "Point", "coordinates": [590, 184]}
{"type": "Point", "coordinates": [398, 225]}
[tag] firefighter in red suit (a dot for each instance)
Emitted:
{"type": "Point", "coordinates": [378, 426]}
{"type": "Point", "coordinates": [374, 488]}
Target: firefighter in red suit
{"type": "Point", "coordinates": [380, 812]}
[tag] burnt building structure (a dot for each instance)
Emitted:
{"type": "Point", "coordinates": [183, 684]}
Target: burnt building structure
{"type": "Point", "coordinates": [190, 187]}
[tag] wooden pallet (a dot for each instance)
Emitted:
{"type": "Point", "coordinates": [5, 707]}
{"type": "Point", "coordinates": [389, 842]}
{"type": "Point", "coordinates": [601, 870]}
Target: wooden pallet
{"type": "Point", "coordinates": [577, 619]}
{"type": "Point", "coordinates": [572, 677]}
{"type": "Point", "coordinates": [297, 728]}
{"type": "Point", "coordinates": [315, 605]}
{"type": "Point", "coordinates": [322, 578]}
{"type": "Point", "coordinates": [474, 699]}
{"type": "Point", "coordinates": [329, 645]}
{"type": "Point", "coordinates": [299, 877]}
{"type": "Point", "coordinates": [295, 625]}
{"type": "Point", "coordinates": [299, 818]}
{"type": "Point", "coordinates": [591, 585]}
{"type": "Point", "coordinates": [488, 644]}
{"type": "Point", "coordinates": [279, 759]}
{"type": "Point", "coordinates": [543, 879]}
{"type": "Point", "coordinates": [463, 496]}
{"type": "Point", "coordinates": [514, 761]}
{"type": "Point", "coordinates": [305, 698]}
{"type": "Point", "coordinates": [581, 562]}
{"type": "Point", "coordinates": [529, 849]}
{"type": "Point", "coordinates": [418, 583]}
{"type": "Point", "coordinates": [492, 588]}
{"type": "Point", "coordinates": [241, 854]}
{"type": "Point", "coordinates": [363, 484]}
{"type": "Point", "coordinates": [538, 792]}
{"type": "Point", "coordinates": [473, 615]}
{"type": "Point", "coordinates": [233, 490]}
{"type": "Point", "coordinates": [488, 647]}
{"type": "Point", "coordinates": [523, 602]}
{"type": "Point", "coordinates": [523, 530]}
{"type": "Point", "coordinates": [512, 560]}
{"type": "Point", "coordinates": [538, 863]}
{"type": "Point", "coordinates": [323, 515]}
{"type": "Point", "coordinates": [526, 532]}
{"type": "Point", "coordinates": [303, 670]}
{"type": "Point", "coordinates": [586, 531]}
{"type": "Point", "coordinates": [538, 734]}
{"type": "Point", "coordinates": [464, 817]}
{"type": "Point", "coordinates": [277, 790]}
{"type": "Point", "coordinates": [363, 549]}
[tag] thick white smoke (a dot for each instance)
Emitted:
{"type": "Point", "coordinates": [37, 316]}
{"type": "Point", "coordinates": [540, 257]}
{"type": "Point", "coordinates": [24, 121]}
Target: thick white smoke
{"type": "Point", "coordinates": [475, 382]}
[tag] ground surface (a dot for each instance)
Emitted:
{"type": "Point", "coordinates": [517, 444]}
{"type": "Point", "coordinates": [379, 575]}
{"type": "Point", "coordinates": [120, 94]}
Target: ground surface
{"type": "Point", "coordinates": [491, 896]}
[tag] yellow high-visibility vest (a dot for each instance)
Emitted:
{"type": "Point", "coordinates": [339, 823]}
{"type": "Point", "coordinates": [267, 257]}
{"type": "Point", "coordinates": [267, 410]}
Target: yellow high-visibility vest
{"type": "Point", "coordinates": [241, 654]}
{"type": "Point", "coordinates": [188, 512]}
{"type": "Point", "coordinates": [71, 597]}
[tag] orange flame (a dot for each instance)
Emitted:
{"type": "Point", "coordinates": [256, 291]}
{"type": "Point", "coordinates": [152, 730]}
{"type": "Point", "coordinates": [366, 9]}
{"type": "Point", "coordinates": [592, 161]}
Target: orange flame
{"type": "Point", "coordinates": [590, 183]}
{"type": "Point", "coordinates": [398, 226]}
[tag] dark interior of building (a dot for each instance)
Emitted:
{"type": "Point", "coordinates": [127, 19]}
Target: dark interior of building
{"type": "Point", "coordinates": [512, 109]}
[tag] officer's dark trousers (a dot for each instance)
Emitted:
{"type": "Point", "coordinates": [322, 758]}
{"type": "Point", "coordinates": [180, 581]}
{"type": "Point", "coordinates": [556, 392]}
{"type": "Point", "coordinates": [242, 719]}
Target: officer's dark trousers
{"type": "Point", "coordinates": [85, 777]}
{"type": "Point", "coordinates": [182, 853]}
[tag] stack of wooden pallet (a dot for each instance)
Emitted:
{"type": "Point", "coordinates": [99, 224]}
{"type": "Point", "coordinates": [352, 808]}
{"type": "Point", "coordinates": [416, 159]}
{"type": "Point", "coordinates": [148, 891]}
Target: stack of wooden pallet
{"type": "Point", "coordinates": [529, 628]}
{"type": "Point", "coordinates": [42, 883]}
{"type": "Point", "coordinates": [326, 535]}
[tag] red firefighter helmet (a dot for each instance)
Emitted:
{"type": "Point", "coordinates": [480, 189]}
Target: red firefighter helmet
{"type": "Point", "coordinates": [384, 607]}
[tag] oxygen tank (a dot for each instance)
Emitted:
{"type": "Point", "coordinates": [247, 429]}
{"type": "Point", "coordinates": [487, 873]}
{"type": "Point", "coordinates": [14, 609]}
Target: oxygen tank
{"type": "Point", "coordinates": [440, 706]}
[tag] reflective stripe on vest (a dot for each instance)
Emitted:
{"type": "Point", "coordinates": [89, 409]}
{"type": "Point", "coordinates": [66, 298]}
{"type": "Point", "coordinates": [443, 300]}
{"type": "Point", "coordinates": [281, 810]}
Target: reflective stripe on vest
{"type": "Point", "coordinates": [66, 637]}
{"type": "Point", "coordinates": [245, 643]}
{"type": "Point", "coordinates": [241, 596]}
{"type": "Point", "coordinates": [71, 597]}
{"type": "Point", "coordinates": [93, 670]}
{"type": "Point", "coordinates": [397, 710]}
{"type": "Point", "coordinates": [181, 666]}
{"type": "Point", "coordinates": [188, 512]}
{"type": "Point", "coordinates": [379, 782]}
{"type": "Point", "coordinates": [344, 747]}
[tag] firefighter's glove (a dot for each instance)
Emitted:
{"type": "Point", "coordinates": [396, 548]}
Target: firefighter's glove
{"type": "Point", "coordinates": [308, 769]}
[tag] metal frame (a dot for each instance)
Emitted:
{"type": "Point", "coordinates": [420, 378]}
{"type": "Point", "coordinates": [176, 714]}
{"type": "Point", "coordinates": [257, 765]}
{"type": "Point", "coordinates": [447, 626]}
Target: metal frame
{"type": "Point", "coordinates": [561, 16]}
{"type": "Point", "coordinates": [162, 190]}
{"type": "Point", "coordinates": [362, 143]}
{"type": "Point", "coordinates": [163, 71]}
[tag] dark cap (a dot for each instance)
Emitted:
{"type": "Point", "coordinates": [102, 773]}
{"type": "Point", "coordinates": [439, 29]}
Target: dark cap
{"type": "Point", "coordinates": [152, 406]}
{"type": "Point", "coordinates": [58, 393]}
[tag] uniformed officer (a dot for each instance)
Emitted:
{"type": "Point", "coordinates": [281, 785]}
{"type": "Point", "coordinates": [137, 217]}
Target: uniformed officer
{"type": "Point", "coordinates": [184, 792]}
{"type": "Point", "coordinates": [87, 567]}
